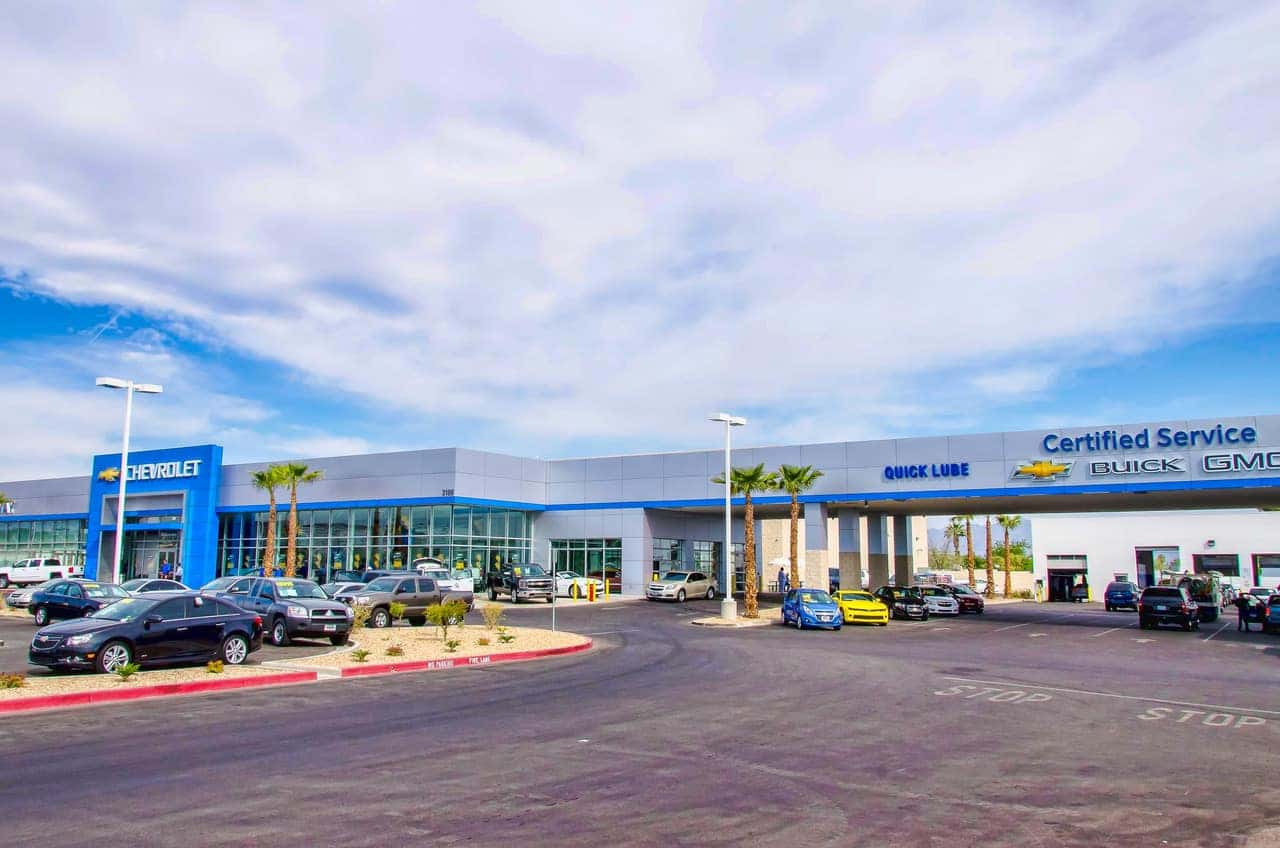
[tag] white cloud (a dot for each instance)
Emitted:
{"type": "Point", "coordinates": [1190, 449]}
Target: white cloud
{"type": "Point", "coordinates": [585, 222]}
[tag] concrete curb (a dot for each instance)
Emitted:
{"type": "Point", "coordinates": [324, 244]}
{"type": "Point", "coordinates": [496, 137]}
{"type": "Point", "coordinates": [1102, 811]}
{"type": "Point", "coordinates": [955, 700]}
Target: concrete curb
{"type": "Point", "coordinates": [738, 623]}
{"type": "Point", "coordinates": [460, 662]}
{"type": "Point", "coordinates": [162, 690]}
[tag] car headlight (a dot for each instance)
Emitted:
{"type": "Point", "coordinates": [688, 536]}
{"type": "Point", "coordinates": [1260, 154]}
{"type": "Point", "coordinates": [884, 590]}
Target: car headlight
{"type": "Point", "coordinates": [805, 608]}
{"type": "Point", "coordinates": [79, 639]}
{"type": "Point", "coordinates": [296, 612]}
{"type": "Point", "coordinates": [364, 602]}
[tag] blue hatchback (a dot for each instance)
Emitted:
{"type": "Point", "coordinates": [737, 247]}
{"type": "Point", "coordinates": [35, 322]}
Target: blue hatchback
{"type": "Point", "coordinates": [811, 608]}
{"type": "Point", "coordinates": [1121, 593]}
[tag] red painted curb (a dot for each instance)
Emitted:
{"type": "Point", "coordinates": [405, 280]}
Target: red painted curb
{"type": "Point", "coordinates": [458, 662]}
{"type": "Point", "coordinates": [161, 690]}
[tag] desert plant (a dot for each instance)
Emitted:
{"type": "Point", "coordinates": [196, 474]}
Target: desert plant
{"type": "Point", "coordinates": [213, 666]}
{"type": "Point", "coordinates": [359, 618]}
{"type": "Point", "coordinates": [451, 645]}
{"type": "Point", "coordinates": [482, 641]}
{"type": "Point", "coordinates": [493, 616]}
{"type": "Point", "coordinates": [359, 655]}
{"type": "Point", "coordinates": [291, 474]}
{"type": "Point", "coordinates": [397, 610]}
{"type": "Point", "coordinates": [795, 480]}
{"type": "Point", "coordinates": [446, 615]}
{"type": "Point", "coordinates": [504, 637]}
{"type": "Point", "coordinates": [395, 650]}
{"type": "Point", "coordinates": [746, 482]}
{"type": "Point", "coordinates": [128, 670]}
{"type": "Point", "coordinates": [12, 681]}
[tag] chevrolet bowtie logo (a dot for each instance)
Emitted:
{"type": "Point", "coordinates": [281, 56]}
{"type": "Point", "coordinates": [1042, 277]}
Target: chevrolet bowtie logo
{"type": "Point", "coordinates": [109, 475]}
{"type": "Point", "coordinates": [1042, 469]}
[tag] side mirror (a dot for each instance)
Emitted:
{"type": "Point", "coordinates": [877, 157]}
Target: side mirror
{"type": "Point", "coordinates": [150, 620]}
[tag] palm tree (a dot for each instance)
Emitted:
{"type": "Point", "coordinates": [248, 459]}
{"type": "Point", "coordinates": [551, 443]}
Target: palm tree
{"type": "Point", "coordinates": [968, 544]}
{"type": "Point", "coordinates": [4, 499]}
{"type": "Point", "coordinates": [291, 474]}
{"type": "Point", "coordinates": [991, 569]}
{"type": "Point", "coordinates": [1008, 522]}
{"type": "Point", "coordinates": [794, 479]}
{"type": "Point", "coordinates": [745, 482]}
{"type": "Point", "coordinates": [954, 533]}
{"type": "Point", "coordinates": [269, 479]}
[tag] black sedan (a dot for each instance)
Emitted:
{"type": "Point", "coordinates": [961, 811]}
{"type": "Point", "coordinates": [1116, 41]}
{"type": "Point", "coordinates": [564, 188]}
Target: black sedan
{"type": "Point", "coordinates": [72, 599]}
{"type": "Point", "coordinates": [903, 602]}
{"type": "Point", "coordinates": [162, 628]}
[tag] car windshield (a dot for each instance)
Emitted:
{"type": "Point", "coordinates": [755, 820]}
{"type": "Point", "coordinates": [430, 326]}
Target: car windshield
{"type": "Point", "coordinates": [528, 571]}
{"type": "Point", "coordinates": [857, 596]}
{"type": "Point", "coordinates": [1120, 586]}
{"type": "Point", "coordinates": [382, 584]}
{"type": "Point", "coordinates": [130, 585]}
{"type": "Point", "coordinates": [103, 590]}
{"type": "Point", "coordinates": [220, 583]}
{"type": "Point", "coordinates": [124, 610]}
{"type": "Point", "coordinates": [961, 589]}
{"type": "Point", "coordinates": [675, 576]}
{"type": "Point", "coordinates": [298, 589]}
{"type": "Point", "coordinates": [813, 596]}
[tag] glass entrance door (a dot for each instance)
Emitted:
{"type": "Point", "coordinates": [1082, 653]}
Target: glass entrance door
{"type": "Point", "coordinates": [150, 553]}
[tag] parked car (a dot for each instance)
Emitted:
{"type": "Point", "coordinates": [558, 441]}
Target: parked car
{"type": "Point", "coordinates": [335, 589]}
{"type": "Point", "coordinates": [522, 581]}
{"type": "Point", "coordinates": [903, 602]}
{"type": "Point", "coordinates": [148, 584]}
{"type": "Point", "coordinates": [969, 600]}
{"type": "Point", "coordinates": [415, 592]}
{"type": "Point", "coordinates": [28, 572]}
{"type": "Point", "coordinates": [939, 600]}
{"type": "Point", "coordinates": [229, 586]}
{"type": "Point", "coordinates": [72, 599]}
{"type": "Point", "coordinates": [458, 584]}
{"type": "Point", "coordinates": [292, 608]}
{"type": "Point", "coordinates": [679, 586]}
{"type": "Point", "coordinates": [811, 608]}
{"type": "Point", "coordinates": [1262, 592]}
{"type": "Point", "coordinates": [1271, 621]}
{"type": "Point", "coordinates": [159, 628]}
{"type": "Point", "coordinates": [21, 598]}
{"type": "Point", "coordinates": [1206, 591]}
{"type": "Point", "coordinates": [1167, 605]}
{"type": "Point", "coordinates": [1121, 593]}
{"type": "Point", "coordinates": [570, 585]}
{"type": "Point", "coordinates": [859, 607]}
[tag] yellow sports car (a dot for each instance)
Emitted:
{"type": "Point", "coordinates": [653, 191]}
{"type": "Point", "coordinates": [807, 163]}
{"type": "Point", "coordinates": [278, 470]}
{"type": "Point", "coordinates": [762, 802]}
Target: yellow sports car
{"type": "Point", "coordinates": [861, 607]}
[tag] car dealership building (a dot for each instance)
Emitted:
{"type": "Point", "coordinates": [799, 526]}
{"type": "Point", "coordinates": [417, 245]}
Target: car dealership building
{"type": "Point", "coordinates": [629, 515]}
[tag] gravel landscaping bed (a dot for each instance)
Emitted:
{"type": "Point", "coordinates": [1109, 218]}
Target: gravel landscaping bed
{"type": "Point", "coordinates": [65, 684]}
{"type": "Point", "coordinates": [424, 643]}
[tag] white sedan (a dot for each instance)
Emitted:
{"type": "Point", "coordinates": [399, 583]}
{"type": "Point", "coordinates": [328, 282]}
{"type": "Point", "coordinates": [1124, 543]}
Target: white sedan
{"type": "Point", "coordinates": [570, 585]}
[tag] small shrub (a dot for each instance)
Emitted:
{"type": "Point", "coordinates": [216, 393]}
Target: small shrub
{"type": "Point", "coordinates": [1020, 593]}
{"type": "Point", "coordinates": [395, 650]}
{"type": "Point", "coordinates": [504, 637]}
{"type": "Point", "coordinates": [12, 681]}
{"type": "Point", "coordinates": [446, 615]}
{"type": "Point", "coordinates": [482, 641]}
{"type": "Point", "coordinates": [397, 610]}
{"type": "Point", "coordinates": [451, 645]}
{"type": "Point", "coordinates": [493, 616]}
{"type": "Point", "coordinates": [128, 670]}
{"type": "Point", "coordinates": [360, 655]}
{"type": "Point", "coordinates": [359, 618]}
{"type": "Point", "coordinates": [213, 666]}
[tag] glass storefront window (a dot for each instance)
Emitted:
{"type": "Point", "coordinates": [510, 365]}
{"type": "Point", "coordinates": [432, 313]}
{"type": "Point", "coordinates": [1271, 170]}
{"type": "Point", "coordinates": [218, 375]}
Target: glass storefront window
{"type": "Point", "coordinates": [479, 522]}
{"type": "Point", "coordinates": [421, 524]}
{"type": "Point", "coordinates": [441, 522]}
{"type": "Point", "coordinates": [61, 538]}
{"type": "Point", "coordinates": [462, 521]}
{"type": "Point", "coordinates": [359, 526]}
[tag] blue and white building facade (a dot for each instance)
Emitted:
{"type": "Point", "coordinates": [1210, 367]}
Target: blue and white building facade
{"type": "Point", "coordinates": [629, 515]}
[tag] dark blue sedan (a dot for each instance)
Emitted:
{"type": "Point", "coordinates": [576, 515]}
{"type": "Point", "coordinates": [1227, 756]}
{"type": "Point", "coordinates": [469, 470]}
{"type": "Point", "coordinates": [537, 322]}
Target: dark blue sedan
{"type": "Point", "coordinates": [71, 599]}
{"type": "Point", "coordinates": [811, 608]}
{"type": "Point", "coordinates": [1121, 593]}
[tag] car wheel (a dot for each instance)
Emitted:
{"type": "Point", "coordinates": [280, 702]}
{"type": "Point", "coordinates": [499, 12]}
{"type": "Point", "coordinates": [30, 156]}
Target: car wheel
{"type": "Point", "coordinates": [279, 633]}
{"type": "Point", "coordinates": [380, 618]}
{"type": "Point", "coordinates": [4, 581]}
{"type": "Point", "coordinates": [235, 650]}
{"type": "Point", "coordinates": [573, 591]}
{"type": "Point", "coordinates": [112, 656]}
{"type": "Point", "coordinates": [338, 641]}
{"type": "Point", "coordinates": [680, 597]}
{"type": "Point", "coordinates": [1107, 607]}
{"type": "Point", "coordinates": [799, 622]}
{"type": "Point", "coordinates": [711, 594]}
{"type": "Point", "coordinates": [493, 594]}
{"type": "Point", "coordinates": [42, 616]}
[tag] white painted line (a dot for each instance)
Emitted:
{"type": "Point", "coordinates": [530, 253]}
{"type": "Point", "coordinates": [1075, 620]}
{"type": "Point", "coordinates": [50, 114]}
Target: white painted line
{"type": "Point", "coordinates": [607, 632]}
{"type": "Point", "coordinates": [1012, 626]}
{"type": "Point", "coordinates": [1105, 632]}
{"type": "Point", "coordinates": [1216, 632]}
{"type": "Point", "coordinates": [1143, 641]}
{"type": "Point", "coordinates": [1096, 694]}
{"type": "Point", "coordinates": [1034, 635]}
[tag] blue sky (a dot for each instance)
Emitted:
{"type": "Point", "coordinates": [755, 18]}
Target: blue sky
{"type": "Point", "coordinates": [577, 228]}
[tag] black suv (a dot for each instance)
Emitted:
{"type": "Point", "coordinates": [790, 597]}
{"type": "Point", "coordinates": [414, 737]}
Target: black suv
{"type": "Point", "coordinates": [292, 608]}
{"type": "Point", "coordinates": [1167, 605]}
{"type": "Point", "coordinates": [903, 602]}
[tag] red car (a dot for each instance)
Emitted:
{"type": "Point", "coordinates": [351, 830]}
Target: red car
{"type": "Point", "coordinates": [969, 600]}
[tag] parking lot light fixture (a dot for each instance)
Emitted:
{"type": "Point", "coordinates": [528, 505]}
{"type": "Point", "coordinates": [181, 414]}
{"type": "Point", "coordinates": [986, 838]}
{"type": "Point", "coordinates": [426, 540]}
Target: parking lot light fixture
{"type": "Point", "coordinates": [129, 388]}
{"type": "Point", "coordinates": [728, 606]}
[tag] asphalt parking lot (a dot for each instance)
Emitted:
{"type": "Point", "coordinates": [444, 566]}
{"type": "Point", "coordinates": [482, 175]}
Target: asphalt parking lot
{"type": "Point", "coordinates": [1031, 725]}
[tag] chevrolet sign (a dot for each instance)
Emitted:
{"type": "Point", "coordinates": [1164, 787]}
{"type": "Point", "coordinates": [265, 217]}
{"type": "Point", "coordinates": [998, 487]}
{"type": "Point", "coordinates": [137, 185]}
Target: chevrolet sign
{"type": "Point", "coordinates": [176, 470]}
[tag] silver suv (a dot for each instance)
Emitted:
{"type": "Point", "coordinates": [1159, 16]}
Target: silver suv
{"type": "Point", "coordinates": [679, 586]}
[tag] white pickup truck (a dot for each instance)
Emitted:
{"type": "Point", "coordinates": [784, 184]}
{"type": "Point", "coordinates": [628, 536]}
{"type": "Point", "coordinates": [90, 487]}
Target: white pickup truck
{"type": "Point", "coordinates": [459, 583]}
{"type": "Point", "coordinates": [28, 572]}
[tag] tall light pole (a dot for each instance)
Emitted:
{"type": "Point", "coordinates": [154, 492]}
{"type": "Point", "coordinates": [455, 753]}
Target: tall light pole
{"type": "Point", "coordinates": [129, 388]}
{"type": "Point", "coordinates": [728, 606]}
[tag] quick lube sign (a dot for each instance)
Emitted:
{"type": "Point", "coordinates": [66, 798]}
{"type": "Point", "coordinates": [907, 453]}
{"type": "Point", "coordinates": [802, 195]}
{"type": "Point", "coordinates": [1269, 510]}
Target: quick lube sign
{"type": "Point", "coordinates": [1110, 441]}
